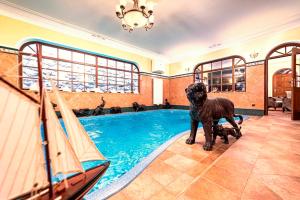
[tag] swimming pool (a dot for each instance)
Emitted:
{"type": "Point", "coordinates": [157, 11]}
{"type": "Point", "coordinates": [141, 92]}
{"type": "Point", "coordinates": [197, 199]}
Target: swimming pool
{"type": "Point", "coordinates": [131, 141]}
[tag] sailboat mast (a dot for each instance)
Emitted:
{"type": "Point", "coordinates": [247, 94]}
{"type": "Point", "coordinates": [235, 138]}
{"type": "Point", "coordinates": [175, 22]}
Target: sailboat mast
{"type": "Point", "coordinates": [44, 119]}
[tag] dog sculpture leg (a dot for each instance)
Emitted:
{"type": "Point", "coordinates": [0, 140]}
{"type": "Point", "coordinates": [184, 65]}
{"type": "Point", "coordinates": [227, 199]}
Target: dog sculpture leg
{"type": "Point", "coordinates": [214, 129]}
{"type": "Point", "coordinates": [194, 127]}
{"type": "Point", "coordinates": [208, 139]}
{"type": "Point", "coordinates": [226, 139]}
{"type": "Point", "coordinates": [235, 126]}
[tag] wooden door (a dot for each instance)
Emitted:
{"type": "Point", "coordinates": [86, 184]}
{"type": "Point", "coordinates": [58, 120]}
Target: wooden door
{"type": "Point", "coordinates": [296, 84]}
{"type": "Point", "coordinates": [281, 83]}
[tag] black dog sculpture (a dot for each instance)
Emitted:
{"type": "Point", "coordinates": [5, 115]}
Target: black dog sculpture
{"type": "Point", "coordinates": [137, 107]}
{"type": "Point", "coordinates": [167, 104]}
{"type": "Point", "coordinates": [115, 110]}
{"type": "Point", "coordinates": [219, 130]}
{"type": "Point", "coordinates": [208, 112]}
{"type": "Point", "coordinates": [99, 109]}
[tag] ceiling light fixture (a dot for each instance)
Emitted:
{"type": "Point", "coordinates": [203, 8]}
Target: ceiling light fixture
{"type": "Point", "coordinates": [140, 15]}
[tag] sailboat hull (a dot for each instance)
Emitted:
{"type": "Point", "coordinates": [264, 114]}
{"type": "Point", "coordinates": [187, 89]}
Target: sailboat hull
{"type": "Point", "coordinates": [78, 185]}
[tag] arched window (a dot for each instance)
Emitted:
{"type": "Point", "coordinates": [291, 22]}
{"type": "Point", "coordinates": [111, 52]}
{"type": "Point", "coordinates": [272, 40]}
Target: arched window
{"type": "Point", "coordinates": [222, 75]}
{"type": "Point", "coordinates": [74, 70]}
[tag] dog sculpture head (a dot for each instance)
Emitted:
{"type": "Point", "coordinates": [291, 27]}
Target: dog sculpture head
{"type": "Point", "coordinates": [196, 93]}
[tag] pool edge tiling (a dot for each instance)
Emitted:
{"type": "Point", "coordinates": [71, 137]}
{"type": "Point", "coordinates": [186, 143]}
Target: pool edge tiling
{"type": "Point", "coordinates": [127, 178]}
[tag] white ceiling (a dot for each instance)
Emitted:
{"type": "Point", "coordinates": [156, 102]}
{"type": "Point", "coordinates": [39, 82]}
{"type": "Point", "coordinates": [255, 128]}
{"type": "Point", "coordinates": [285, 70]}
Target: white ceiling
{"type": "Point", "coordinates": [182, 27]}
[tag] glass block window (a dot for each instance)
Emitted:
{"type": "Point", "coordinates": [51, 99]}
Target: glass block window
{"type": "Point", "coordinates": [72, 70]}
{"type": "Point", "coordinates": [222, 75]}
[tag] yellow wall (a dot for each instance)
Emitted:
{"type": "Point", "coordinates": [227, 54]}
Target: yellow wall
{"type": "Point", "coordinates": [13, 32]}
{"type": "Point", "coordinates": [260, 45]}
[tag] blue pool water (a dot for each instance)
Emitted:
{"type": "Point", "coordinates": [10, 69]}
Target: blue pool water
{"type": "Point", "coordinates": [126, 139]}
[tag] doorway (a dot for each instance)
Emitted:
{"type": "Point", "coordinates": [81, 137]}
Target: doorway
{"type": "Point", "coordinates": [281, 77]}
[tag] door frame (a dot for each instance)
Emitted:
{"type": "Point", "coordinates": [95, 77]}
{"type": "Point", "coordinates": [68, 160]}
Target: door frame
{"type": "Point", "coordinates": [295, 86]}
{"type": "Point", "coordinates": [270, 56]}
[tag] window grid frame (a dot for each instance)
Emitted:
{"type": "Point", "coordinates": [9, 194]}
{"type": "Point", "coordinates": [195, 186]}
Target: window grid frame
{"type": "Point", "coordinates": [198, 71]}
{"type": "Point", "coordinates": [84, 63]}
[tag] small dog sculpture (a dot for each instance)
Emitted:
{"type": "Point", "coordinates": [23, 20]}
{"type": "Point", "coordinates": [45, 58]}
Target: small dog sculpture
{"type": "Point", "coordinates": [99, 109]}
{"type": "Point", "coordinates": [137, 107]}
{"type": "Point", "coordinates": [167, 104]}
{"type": "Point", "coordinates": [219, 130]}
{"type": "Point", "coordinates": [115, 110]}
{"type": "Point", "coordinates": [208, 112]}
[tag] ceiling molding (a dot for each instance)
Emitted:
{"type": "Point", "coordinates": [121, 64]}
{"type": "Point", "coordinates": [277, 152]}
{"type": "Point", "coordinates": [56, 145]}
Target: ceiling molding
{"type": "Point", "coordinates": [291, 23]}
{"type": "Point", "coordinates": [23, 14]}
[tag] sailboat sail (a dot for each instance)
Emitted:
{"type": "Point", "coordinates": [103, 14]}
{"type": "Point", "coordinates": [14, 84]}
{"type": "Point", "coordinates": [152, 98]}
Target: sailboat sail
{"type": "Point", "coordinates": [22, 164]}
{"type": "Point", "coordinates": [63, 157]}
{"type": "Point", "coordinates": [83, 146]}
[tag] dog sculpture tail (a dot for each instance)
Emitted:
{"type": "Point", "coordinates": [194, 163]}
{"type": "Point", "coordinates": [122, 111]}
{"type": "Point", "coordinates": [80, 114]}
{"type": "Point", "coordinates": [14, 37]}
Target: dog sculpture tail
{"type": "Point", "coordinates": [240, 117]}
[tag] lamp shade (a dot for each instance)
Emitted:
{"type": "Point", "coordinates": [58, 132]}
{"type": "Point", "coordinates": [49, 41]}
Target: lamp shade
{"type": "Point", "coordinates": [135, 19]}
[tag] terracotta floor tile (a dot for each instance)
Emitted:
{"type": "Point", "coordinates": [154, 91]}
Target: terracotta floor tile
{"type": "Point", "coordinates": [271, 152]}
{"type": "Point", "coordinates": [234, 164]}
{"type": "Point", "coordinates": [208, 160]}
{"type": "Point", "coordinates": [165, 155]}
{"type": "Point", "coordinates": [206, 190]}
{"type": "Point", "coordinates": [197, 155]}
{"type": "Point", "coordinates": [163, 173]}
{"type": "Point", "coordinates": [181, 163]}
{"type": "Point", "coordinates": [256, 189]}
{"type": "Point", "coordinates": [179, 184]}
{"type": "Point", "coordinates": [228, 178]}
{"type": "Point", "coordinates": [119, 196]}
{"type": "Point", "coordinates": [198, 169]}
{"type": "Point", "coordinates": [286, 187]}
{"type": "Point", "coordinates": [242, 155]}
{"type": "Point", "coordinates": [180, 148]}
{"type": "Point", "coordinates": [277, 166]}
{"type": "Point", "coordinates": [143, 187]}
{"type": "Point", "coordinates": [183, 197]}
{"type": "Point", "coordinates": [163, 195]}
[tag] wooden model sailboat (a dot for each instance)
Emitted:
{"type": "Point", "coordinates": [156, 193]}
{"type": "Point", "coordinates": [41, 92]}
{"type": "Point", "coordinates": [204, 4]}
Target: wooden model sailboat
{"type": "Point", "coordinates": [29, 159]}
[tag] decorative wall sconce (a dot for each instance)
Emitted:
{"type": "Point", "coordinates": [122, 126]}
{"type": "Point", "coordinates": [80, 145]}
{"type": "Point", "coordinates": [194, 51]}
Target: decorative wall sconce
{"type": "Point", "coordinates": [187, 69]}
{"type": "Point", "coordinates": [254, 55]}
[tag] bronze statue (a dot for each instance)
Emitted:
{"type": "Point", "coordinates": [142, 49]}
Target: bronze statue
{"type": "Point", "coordinates": [137, 107]}
{"type": "Point", "coordinates": [99, 109]}
{"type": "Point", "coordinates": [115, 110]}
{"type": "Point", "coordinates": [208, 112]}
{"type": "Point", "coordinates": [223, 132]}
{"type": "Point", "coordinates": [167, 104]}
{"type": "Point", "coordinates": [88, 112]}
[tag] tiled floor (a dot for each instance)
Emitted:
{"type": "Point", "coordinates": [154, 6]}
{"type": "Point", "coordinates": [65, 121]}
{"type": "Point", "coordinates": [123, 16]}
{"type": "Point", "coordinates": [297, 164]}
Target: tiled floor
{"type": "Point", "coordinates": [263, 164]}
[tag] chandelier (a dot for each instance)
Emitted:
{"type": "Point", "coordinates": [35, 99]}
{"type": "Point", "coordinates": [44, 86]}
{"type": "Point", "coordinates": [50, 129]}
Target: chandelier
{"type": "Point", "coordinates": [139, 15]}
